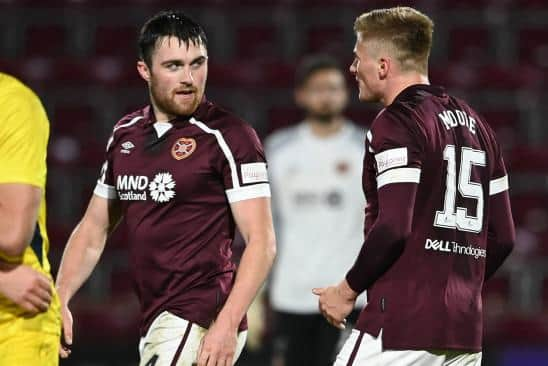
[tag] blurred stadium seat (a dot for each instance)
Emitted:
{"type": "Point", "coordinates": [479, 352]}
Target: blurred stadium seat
{"type": "Point", "coordinates": [532, 4]}
{"type": "Point", "coordinates": [326, 39]}
{"type": "Point", "coordinates": [468, 4]}
{"type": "Point", "coordinates": [116, 41]}
{"type": "Point", "coordinates": [470, 44]}
{"type": "Point", "coordinates": [73, 119]}
{"type": "Point", "coordinates": [530, 159]}
{"type": "Point", "coordinates": [533, 46]}
{"type": "Point", "coordinates": [257, 41]}
{"type": "Point", "coordinates": [45, 40]}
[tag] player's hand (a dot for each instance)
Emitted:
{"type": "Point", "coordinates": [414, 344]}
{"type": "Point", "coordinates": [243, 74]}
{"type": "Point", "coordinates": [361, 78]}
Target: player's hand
{"type": "Point", "coordinates": [336, 302]}
{"type": "Point", "coordinates": [66, 336]}
{"type": "Point", "coordinates": [218, 345]}
{"type": "Point", "coordinates": [26, 287]}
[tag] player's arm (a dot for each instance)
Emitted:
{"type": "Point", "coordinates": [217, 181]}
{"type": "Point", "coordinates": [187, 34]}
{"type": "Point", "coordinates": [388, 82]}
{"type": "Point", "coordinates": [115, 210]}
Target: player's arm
{"type": "Point", "coordinates": [254, 220]}
{"type": "Point", "coordinates": [398, 153]}
{"type": "Point", "coordinates": [85, 245]}
{"type": "Point", "coordinates": [82, 252]}
{"type": "Point", "coordinates": [22, 180]}
{"type": "Point", "coordinates": [19, 204]}
{"type": "Point", "coordinates": [383, 245]}
{"type": "Point", "coordinates": [501, 234]}
{"type": "Point", "coordinates": [385, 241]}
{"type": "Point", "coordinates": [30, 289]}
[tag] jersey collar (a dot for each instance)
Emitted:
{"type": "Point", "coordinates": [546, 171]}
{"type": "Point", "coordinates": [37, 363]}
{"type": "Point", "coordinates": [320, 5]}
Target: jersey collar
{"type": "Point", "coordinates": [419, 90]}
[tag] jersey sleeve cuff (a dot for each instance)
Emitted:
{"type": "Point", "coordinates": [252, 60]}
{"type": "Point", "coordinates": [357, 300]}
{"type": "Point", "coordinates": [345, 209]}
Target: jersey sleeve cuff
{"type": "Point", "coordinates": [248, 192]}
{"type": "Point", "coordinates": [105, 191]}
{"type": "Point", "coordinates": [399, 175]}
{"type": "Point", "coordinates": [498, 185]}
{"type": "Point", "coordinates": [353, 282]}
{"type": "Point", "coordinates": [22, 178]}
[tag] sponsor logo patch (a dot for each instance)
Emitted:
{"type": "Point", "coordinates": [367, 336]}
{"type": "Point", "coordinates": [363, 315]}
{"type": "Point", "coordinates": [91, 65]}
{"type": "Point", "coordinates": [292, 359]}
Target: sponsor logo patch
{"type": "Point", "coordinates": [391, 158]}
{"type": "Point", "coordinates": [139, 187]}
{"type": "Point", "coordinates": [183, 148]}
{"type": "Point", "coordinates": [161, 188]}
{"type": "Point", "coordinates": [254, 173]}
{"type": "Point", "coordinates": [455, 248]}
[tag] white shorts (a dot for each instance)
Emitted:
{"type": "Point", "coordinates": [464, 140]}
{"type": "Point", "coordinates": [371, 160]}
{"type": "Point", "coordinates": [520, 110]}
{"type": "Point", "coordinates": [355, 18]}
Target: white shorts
{"type": "Point", "coordinates": [369, 352]}
{"type": "Point", "coordinates": [173, 341]}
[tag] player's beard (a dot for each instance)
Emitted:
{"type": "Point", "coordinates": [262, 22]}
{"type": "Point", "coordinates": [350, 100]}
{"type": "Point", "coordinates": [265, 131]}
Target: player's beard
{"type": "Point", "coordinates": [166, 100]}
{"type": "Point", "coordinates": [323, 118]}
{"type": "Point", "coordinates": [324, 115]}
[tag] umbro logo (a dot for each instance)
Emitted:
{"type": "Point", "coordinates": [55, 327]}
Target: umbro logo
{"type": "Point", "coordinates": [126, 147]}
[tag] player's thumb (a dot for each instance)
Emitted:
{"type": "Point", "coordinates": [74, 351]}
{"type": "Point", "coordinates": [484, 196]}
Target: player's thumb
{"type": "Point", "coordinates": [67, 329]}
{"type": "Point", "coordinates": [317, 291]}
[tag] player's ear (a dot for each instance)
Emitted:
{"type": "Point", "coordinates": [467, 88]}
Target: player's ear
{"type": "Point", "coordinates": [383, 68]}
{"type": "Point", "coordinates": [143, 70]}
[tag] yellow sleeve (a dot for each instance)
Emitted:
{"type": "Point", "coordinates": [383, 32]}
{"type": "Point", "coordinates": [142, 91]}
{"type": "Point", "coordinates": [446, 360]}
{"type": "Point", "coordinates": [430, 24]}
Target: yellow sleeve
{"type": "Point", "coordinates": [24, 132]}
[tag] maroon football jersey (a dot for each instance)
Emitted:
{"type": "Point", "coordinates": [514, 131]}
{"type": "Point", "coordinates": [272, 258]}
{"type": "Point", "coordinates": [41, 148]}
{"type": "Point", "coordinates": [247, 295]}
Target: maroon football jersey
{"type": "Point", "coordinates": [430, 298]}
{"type": "Point", "coordinates": [175, 181]}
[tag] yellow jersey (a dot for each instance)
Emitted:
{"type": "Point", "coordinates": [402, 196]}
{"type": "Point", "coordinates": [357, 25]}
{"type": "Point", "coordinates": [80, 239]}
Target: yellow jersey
{"type": "Point", "coordinates": [24, 133]}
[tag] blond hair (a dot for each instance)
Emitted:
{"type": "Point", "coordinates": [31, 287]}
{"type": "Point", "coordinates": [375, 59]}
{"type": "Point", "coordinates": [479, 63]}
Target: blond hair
{"type": "Point", "coordinates": [407, 31]}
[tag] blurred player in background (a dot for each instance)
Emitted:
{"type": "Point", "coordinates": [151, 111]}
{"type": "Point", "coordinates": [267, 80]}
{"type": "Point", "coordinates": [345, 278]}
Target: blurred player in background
{"type": "Point", "coordinates": [181, 172]}
{"type": "Point", "coordinates": [438, 221]}
{"type": "Point", "coordinates": [30, 323]}
{"type": "Point", "coordinates": [315, 171]}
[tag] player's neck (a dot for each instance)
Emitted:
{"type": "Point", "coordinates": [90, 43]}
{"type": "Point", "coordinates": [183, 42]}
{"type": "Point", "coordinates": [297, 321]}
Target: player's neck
{"type": "Point", "coordinates": [325, 128]}
{"type": "Point", "coordinates": [399, 83]}
{"type": "Point", "coordinates": [160, 115]}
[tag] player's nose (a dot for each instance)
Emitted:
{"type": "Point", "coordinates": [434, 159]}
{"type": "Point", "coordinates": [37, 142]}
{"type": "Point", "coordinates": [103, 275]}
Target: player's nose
{"type": "Point", "coordinates": [352, 68]}
{"type": "Point", "coordinates": [187, 77]}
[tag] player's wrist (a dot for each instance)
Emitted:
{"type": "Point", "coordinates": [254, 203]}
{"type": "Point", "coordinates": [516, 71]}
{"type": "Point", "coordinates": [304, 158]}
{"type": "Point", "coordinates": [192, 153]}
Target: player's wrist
{"type": "Point", "coordinates": [63, 295]}
{"type": "Point", "coordinates": [346, 291]}
{"type": "Point", "coordinates": [228, 321]}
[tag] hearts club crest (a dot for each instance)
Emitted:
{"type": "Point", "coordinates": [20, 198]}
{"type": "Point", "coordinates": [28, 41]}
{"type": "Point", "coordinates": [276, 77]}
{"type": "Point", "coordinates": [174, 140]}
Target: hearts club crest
{"type": "Point", "coordinates": [183, 148]}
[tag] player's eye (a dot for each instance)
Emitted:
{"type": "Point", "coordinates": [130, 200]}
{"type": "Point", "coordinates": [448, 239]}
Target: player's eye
{"type": "Point", "coordinates": [173, 67]}
{"type": "Point", "coordinates": [197, 64]}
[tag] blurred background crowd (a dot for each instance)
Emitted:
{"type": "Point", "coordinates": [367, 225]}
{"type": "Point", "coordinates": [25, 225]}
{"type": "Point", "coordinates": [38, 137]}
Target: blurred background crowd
{"type": "Point", "coordinates": [79, 56]}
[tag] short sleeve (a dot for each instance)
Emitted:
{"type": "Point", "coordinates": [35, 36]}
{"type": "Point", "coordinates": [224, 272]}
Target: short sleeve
{"type": "Point", "coordinates": [106, 187]}
{"type": "Point", "coordinates": [244, 169]}
{"type": "Point", "coordinates": [24, 133]}
{"type": "Point", "coordinates": [499, 177]}
{"type": "Point", "coordinates": [396, 142]}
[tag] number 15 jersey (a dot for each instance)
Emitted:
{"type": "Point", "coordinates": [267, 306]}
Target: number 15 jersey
{"type": "Point", "coordinates": [431, 296]}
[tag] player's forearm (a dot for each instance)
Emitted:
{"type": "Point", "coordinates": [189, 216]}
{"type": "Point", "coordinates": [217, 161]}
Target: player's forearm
{"type": "Point", "coordinates": [13, 245]}
{"type": "Point", "coordinates": [254, 267]}
{"type": "Point", "coordinates": [382, 247]}
{"type": "Point", "coordinates": [80, 257]}
{"type": "Point", "coordinates": [385, 241]}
